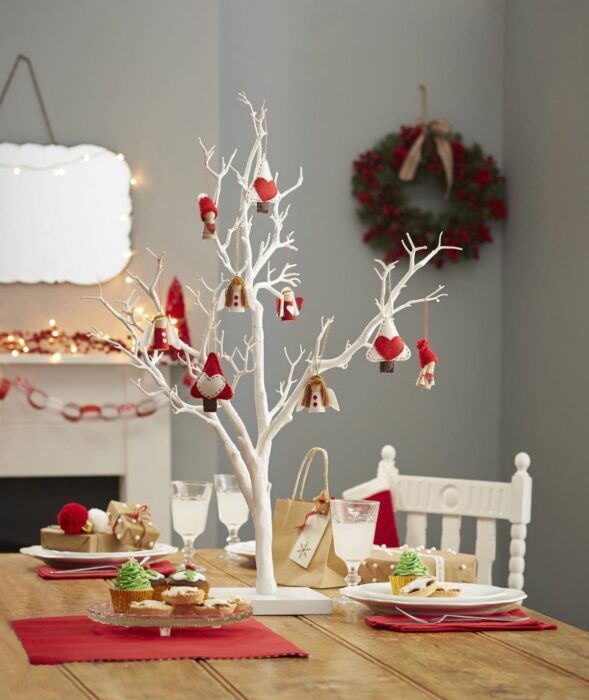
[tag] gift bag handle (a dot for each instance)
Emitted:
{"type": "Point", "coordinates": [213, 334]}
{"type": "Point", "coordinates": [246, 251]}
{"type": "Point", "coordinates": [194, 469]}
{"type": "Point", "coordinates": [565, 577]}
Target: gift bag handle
{"type": "Point", "coordinates": [304, 471]}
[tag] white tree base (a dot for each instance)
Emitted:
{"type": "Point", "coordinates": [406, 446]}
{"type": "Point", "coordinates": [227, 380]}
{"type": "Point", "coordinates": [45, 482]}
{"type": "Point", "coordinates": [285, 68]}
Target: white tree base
{"type": "Point", "coordinates": [288, 600]}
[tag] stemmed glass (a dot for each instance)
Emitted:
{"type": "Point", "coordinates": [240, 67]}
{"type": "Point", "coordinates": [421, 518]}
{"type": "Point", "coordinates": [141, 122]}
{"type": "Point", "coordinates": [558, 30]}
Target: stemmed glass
{"type": "Point", "coordinates": [354, 524]}
{"type": "Point", "coordinates": [233, 509]}
{"type": "Point", "coordinates": [190, 507]}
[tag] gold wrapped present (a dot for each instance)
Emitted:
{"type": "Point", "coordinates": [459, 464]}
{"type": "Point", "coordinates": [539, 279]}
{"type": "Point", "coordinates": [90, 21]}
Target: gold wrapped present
{"type": "Point", "coordinates": [444, 565]}
{"type": "Point", "coordinates": [132, 525]}
{"type": "Point", "coordinates": [53, 537]}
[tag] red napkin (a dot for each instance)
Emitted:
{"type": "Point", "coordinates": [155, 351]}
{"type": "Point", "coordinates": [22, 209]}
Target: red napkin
{"type": "Point", "coordinates": [164, 567]}
{"type": "Point", "coordinates": [400, 623]}
{"type": "Point", "coordinates": [57, 640]}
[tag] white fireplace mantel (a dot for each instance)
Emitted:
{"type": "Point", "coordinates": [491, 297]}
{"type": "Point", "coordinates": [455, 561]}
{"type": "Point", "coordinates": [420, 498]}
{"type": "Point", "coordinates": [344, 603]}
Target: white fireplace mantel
{"type": "Point", "coordinates": [35, 443]}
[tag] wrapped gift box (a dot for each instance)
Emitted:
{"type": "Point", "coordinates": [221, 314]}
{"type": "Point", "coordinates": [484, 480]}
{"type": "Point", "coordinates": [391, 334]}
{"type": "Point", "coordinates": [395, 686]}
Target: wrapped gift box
{"type": "Point", "coordinates": [445, 566]}
{"type": "Point", "coordinates": [132, 525]}
{"type": "Point", "coordinates": [53, 537]}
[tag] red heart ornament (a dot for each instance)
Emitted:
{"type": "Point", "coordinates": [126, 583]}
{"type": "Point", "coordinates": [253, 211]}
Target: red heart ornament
{"type": "Point", "coordinates": [389, 348]}
{"type": "Point", "coordinates": [266, 189]}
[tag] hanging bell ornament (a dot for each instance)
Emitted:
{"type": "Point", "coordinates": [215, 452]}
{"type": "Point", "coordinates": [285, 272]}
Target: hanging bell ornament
{"type": "Point", "coordinates": [427, 362]}
{"type": "Point", "coordinates": [317, 396]}
{"type": "Point", "coordinates": [208, 214]}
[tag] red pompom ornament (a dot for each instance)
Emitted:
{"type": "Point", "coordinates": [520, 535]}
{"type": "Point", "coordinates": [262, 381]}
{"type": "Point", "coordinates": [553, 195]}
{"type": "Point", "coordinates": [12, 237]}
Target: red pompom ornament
{"type": "Point", "coordinates": [72, 518]}
{"type": "Point", "coordinates": [208, 214]}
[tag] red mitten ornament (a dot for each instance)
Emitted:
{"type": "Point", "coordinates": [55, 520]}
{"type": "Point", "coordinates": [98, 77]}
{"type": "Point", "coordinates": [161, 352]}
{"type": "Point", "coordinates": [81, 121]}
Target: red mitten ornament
{"type": "Point", "coordinates": [264, 190]}
{"type": "Point", "coordinates": [208, 214]}
{"type": "Point", "coordinates": [288, 307]}
{"type": "Point", "coordinates": [73, 519]}
{"type": "Point", "coordinates": [427, 362]}
{"type": "Point", "coordinates": [388, 347]}
{"type": "Point", "coordinates": [211, 385]}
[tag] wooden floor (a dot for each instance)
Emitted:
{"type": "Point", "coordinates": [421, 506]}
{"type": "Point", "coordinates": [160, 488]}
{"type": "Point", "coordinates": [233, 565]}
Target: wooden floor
{"type": "Point", "coordinates": [348, 659]}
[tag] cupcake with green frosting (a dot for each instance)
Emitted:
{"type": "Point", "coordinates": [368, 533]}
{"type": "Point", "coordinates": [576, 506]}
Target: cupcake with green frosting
{"type": "Point", "coordinates": [410, 567]}
{"type": "Point", "coordinates": [131, 584]}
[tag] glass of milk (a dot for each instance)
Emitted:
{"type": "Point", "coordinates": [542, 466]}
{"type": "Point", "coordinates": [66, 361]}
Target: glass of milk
{"type": "Point", "coordinates": [190, 508]}
{"type": "Point", "coordinates": [232, 507]}
{"type": "Point", "coordinates": [354, 524]}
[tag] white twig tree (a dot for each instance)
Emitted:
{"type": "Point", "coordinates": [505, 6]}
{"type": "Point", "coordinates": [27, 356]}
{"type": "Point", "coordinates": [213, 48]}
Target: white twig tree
{"type": "Point", "coordinates": [249, 454]}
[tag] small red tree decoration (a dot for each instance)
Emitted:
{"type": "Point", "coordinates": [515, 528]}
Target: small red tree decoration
{"type": "Point", "coordinates": [211, 385]}
{"type": "Point", "coordinates": [176, 311]}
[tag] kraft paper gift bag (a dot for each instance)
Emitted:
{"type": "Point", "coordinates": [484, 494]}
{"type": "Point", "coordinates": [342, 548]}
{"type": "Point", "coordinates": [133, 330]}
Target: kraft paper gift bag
{"type": "Point", "coordinates": [302, 545]}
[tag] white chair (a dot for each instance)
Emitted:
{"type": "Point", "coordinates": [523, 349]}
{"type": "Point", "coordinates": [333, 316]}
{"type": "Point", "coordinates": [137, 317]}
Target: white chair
{"type": "Point", "coordinates": [487, 501]}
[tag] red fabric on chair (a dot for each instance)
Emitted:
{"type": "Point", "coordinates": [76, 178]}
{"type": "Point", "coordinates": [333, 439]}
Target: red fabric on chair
{"type": "Point", "coordinates": [386, 528]}
{"type": "Point", "coordinates": [57, 640]}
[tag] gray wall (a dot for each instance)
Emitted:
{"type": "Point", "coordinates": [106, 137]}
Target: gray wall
{"type": "Point", "coordinates": [337, 77]}
{"type": "Point", "coordinates": [137, 76]}
{"type": "Point", "coordinates": [546, 286]}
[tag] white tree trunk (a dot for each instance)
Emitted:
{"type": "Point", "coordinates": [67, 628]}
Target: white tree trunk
{"type": "Point", "coordinates": [262, 517]}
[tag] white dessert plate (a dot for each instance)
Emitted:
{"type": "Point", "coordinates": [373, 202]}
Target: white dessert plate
{"type": "Point", "coordinates": [243, 549]}
{"type": "Point", "coordinates": [70, 559]}
{"type": "Point", "coordinates": [473, 598]}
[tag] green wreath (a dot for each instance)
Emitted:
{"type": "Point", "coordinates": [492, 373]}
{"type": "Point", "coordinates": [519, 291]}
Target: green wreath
{"type": "Point", "coordinates": [475, 197]}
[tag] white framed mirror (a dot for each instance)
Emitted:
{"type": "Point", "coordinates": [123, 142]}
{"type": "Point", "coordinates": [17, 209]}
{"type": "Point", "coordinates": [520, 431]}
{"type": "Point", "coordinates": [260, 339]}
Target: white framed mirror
{"type": "Point", "coordinates": [65, 214]}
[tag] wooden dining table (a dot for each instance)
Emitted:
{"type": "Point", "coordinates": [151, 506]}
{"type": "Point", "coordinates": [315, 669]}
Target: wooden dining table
{"type": "Point", "coordinates": [348, 659]}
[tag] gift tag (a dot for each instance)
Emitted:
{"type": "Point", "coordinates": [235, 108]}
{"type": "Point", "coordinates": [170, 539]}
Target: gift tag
{"type": "Point", "coordinates": [307, 542]}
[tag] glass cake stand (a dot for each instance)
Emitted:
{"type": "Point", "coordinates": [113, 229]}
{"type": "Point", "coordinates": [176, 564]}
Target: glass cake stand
{"type": "Point", "coordinates": [103, 613]}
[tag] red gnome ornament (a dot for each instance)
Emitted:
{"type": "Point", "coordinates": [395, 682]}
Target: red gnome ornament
{"type": "Point", "coordinates": [73, 519]}
{"type": "Point", "coordinates": [176, 312]}
{"type": "Point", "coordinates": [427, 362]}
{"type": "Point", "coordinates": [208, 214]}
{"type": "Point", "coordinates": [211, 385]}
{"type": "Point", "coordinates": [288, 307]}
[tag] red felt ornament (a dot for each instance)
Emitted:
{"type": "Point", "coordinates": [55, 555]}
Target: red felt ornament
{"type": "Point", "coordinates": [264, 189]}
{"type": "Point", "coordinates": [208, 214]}
{"type": "Point", "coordinates": [176, 312]}
{"type": "Point", "coordinates": [388, 347]}
{"type": "Point", "coordinates": [427, 362]}
{"type": "Point", "coordinates": [211, 385]}
{"type": "Point", "coordinates": [288, 307]}
{"type": "Point", "coordinates": [72, 518]}
{"type": "Point", "coordinates": [5, 385]}
{"type": "Point", "coordinates": [160, 334]}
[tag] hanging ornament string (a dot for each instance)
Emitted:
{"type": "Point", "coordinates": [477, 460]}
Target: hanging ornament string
{"type": "Point", "coordinates": [27, 61]}
{"type": "Point", "coordinates": [237, 251]}
{"type": "Point", "coordinates": [423, 90]}
{"type": "Point", "coordinates": [320, 352]}
{"type": "Point", "coordinates": [205, 174]}
{"type": "Point", "coordinates": [426, 320]}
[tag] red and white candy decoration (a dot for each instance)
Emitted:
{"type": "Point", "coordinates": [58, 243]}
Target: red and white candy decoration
{"type": "Point", "coordinates": [211, 385]}
{"type": "Point", "coordinates": [427, 362]}
{"type": "Point", "coordinates": [208, 214]}
{"type": "Point", "coordinates": [264, 190]}
{"type": "Point", "coordinates": [388, 347]}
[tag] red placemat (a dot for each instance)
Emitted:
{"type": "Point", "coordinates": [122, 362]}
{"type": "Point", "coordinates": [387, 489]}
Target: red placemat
{"type": "Point", "coordinates": [57, 640]}
{"type": "Point", "coordinates": [164, 567]}
{"type": "Point", "coordinates": [400, 623]}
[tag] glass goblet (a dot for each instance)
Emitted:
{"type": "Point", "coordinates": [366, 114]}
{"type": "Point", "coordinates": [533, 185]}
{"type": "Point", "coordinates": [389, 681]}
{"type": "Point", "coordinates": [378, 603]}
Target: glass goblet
{"type": "Point", "coordinates": [232, 507]}
{"type": "Point", "coordinates": [190, 508]}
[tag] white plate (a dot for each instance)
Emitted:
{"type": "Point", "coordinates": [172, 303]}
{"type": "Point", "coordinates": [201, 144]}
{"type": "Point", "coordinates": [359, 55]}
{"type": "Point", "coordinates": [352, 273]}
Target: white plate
{"type": "Point", "coordinates": [469, 599]}
{"type": "Point", "coordinates": [55, 558]}
{"type": "Point", "coordinates": [243, 549]}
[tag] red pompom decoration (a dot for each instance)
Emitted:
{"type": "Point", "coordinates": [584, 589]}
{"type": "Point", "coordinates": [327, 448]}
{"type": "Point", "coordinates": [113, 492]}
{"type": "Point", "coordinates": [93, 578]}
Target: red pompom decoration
{"type": "Point", "coordinates": [426, 354]}
{"type": "Point", "coordinates": [72, 518]}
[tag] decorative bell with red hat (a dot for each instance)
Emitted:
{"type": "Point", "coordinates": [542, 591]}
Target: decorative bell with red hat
{"type": "Point", "coordinates": [288, 307]}
{"type": "Point", "coordinates": [388, 347]}
{"type": "Point", "coordinates": [427, 362]}
{"type": "Point", "coordinates": [211, 385]}
{"type": "Point", "coordinates": [208, 214]}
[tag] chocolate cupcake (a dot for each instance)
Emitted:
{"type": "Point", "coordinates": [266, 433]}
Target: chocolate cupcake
{"type": "Point", "coordinates": [190, 578]}
{"type": "Point", "coordinates": [158, 582]}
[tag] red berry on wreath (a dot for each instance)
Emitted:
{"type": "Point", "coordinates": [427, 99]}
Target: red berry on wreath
{"type": "Point", "coordinates": [72, 518]}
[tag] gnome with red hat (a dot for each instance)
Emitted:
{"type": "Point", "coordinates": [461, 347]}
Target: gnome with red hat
{"type": "Point", "coordinates": [211, 385]}
{"type": "Point", "coordinates": [208, 214]}
{"type": "Point", "coordinates": [427, 362]}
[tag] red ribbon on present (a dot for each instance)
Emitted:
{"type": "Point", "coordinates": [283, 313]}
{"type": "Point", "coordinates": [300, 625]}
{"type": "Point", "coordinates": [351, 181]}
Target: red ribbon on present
{"type": "Point", "coordinates": [139, 513]}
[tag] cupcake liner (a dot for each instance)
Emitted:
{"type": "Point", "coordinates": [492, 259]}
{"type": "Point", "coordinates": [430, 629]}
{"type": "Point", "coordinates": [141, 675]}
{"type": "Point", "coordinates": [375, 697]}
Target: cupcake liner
{"type": "Point", "coordinates": [157, 592]}
{"type": "Point", "coordinates": [122, 598]}
{"type": "Point", "coordinates": [397, 582]}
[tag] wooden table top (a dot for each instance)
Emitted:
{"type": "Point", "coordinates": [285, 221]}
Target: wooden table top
{"type": "Point", "coordinates": [348, 658]}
